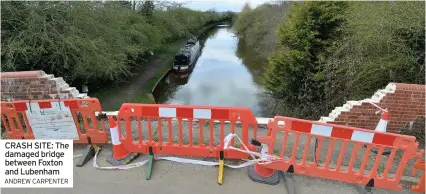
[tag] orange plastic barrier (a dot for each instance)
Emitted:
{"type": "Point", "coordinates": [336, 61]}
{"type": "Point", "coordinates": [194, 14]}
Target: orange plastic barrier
{"type": "Point", "coordinates": [420, 165]}
{"type": "Point", "coordinates": [344, 134]}
{"type": "Point", "coordinates": [203, 114]}
{"type": "Point", "coordinates": [15, 119]}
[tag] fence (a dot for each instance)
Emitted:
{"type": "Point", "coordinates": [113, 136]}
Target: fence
{"type": "Point", "coordinates": [15, 120]}
{"type": "Point", "coordinates": [172, 130]}
{"type": "Point", "coordinates": [351, 140]}
{"type": "Point", "coordinates": [140, 136]}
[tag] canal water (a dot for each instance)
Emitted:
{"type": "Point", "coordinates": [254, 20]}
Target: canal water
{"type": "Point", "coordinates": [226, 74]}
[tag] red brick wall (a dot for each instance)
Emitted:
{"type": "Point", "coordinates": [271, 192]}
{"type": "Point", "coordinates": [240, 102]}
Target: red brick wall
{"type": "Point", "coordinates": [404, 103]}
{"type": "Point", "coordinates": [26, 85]}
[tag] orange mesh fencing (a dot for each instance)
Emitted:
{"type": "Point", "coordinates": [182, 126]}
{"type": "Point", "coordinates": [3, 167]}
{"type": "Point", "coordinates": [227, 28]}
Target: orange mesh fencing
{"type": "Point", "coordinates": [174, 130]}
{"type": "Point", "coordinates": [292, 140]}
{"type": "Point", "coordinates": [15, 119]}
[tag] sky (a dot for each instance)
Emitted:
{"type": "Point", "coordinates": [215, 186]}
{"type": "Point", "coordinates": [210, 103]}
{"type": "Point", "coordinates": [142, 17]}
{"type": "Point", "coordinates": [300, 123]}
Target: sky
{"type": "Point", "coordinates": [220, 5]}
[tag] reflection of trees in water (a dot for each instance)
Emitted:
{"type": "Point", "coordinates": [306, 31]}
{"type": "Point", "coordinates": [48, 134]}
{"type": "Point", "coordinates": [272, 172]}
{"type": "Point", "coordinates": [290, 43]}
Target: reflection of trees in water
{"type": "Point", "coordinates": [168, 87]}
{"type": "Point", "coordinates": [256, 64]}
{"type": "Point", "coordinates": [272, 107]}
{"type": "Point", "coordinates": [252, 60]}
{"type": "Point", "coordinates": [209, 34]}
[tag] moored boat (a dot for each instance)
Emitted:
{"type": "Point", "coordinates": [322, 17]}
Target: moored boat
{"type": "Point", "coordinates": [186, 57]}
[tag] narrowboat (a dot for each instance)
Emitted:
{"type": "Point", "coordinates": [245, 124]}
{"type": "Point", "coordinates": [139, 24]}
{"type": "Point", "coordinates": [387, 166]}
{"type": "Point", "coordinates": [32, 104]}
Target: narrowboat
{"type": "Point", "coordinates": [187, 56]}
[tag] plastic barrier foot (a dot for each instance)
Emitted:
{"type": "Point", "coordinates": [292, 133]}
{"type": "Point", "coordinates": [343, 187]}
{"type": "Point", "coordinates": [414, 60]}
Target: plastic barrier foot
{"type": "Point", "coordinates": [88, 154]}
{"type": "Point", "coordinates": [289, 182]}
{"type": "Point", "coordinates": [365, 189]}
{"type": "Point", "coordinates": [123, 161]}
{"type": "Point", "coordinates": [151, 161]}
{"type": "Point", "coordinates": [421, 186]}
{"type": "Point", "coordinates": [272, 179]}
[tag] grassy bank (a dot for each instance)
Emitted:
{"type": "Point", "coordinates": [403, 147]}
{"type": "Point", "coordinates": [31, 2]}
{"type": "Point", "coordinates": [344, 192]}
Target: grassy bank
{"type": "Point", "coordinates": [145, 95]}
{"type": "Point", "coordinates": [160, 63]}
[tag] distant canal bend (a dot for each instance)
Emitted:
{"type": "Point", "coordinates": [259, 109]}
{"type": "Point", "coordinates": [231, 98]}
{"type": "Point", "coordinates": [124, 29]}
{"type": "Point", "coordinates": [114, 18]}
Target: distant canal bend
{"type": "Point", "coordinates": [220, 77]}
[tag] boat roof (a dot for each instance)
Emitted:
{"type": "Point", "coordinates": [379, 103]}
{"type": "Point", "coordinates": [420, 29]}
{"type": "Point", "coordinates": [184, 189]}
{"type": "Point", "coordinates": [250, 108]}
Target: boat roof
{"type": "Point", "coordinates": [191, 41]}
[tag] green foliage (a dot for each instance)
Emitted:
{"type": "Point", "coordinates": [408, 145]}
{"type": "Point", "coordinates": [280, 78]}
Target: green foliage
{"type": "Point", "coordinates": [383, 42]}
{"type": "Point", "coordinates": [256, 27]}
{"type": "Point", "coordinates": [147, 8]}
{"type": "Point", "coordinates": [327, 53]}
{"type": "Point", "coordinates": [242, 22]}
{"type": "Point", "coordinates": [294, 70]}
{"type": "Point", "coordinates": [89, 41]}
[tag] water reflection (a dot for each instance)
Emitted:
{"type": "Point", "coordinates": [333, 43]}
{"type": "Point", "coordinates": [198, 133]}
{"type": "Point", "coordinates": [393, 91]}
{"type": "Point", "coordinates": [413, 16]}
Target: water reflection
{"type": "Point", "coordinates": [221, 76]}
{"type": "Point", "coordinates": [255, 64]}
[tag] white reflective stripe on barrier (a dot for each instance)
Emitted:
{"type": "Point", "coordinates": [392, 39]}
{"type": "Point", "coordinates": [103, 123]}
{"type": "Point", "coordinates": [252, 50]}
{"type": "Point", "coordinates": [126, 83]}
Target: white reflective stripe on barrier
{"type": "Point", "coordinates": [202, 113]}
{"type": "Point", "coordinates": [167, 112]}
{"type": "Point", "coordinates": [362, 136]}
{"type": "Point", "coordinates": [321, 130]}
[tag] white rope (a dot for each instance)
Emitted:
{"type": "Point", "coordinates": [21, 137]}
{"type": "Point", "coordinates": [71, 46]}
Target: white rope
{"type": "Point", "coordinates": [204, 163]}
{"type": "Point", "coordinates": [377, 106]}
{"type": "Point", "coordinates": [264, 157]}
{"type": "Point", "coordinates": [173, 159]}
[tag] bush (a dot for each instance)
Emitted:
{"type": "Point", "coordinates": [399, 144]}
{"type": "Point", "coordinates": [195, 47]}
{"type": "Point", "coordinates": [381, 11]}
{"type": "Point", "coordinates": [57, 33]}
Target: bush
{"type": "Point", "coordinates": [89, 41]}
{"type": "Point", "coordinates": [327, 53]}
{"type": "Point", "coordinates": [294, 70]}
{"type": "Point", "coordinates": [383, 42]}
{"type": "Point", "coordinates": [256, 26]}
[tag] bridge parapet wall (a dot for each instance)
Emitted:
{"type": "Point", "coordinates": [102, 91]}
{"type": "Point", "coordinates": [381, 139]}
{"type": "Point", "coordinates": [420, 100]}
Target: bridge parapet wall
{"type": "Point", "coordinates": [24, 85]}
{"type": "Point", "coordinates": [405, 102]}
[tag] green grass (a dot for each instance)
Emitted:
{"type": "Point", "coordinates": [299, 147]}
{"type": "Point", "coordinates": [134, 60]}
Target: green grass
{"type": "Point", "coordinates": [104, 93]}
{"type": "Point", "coordinates": [143, 95]}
